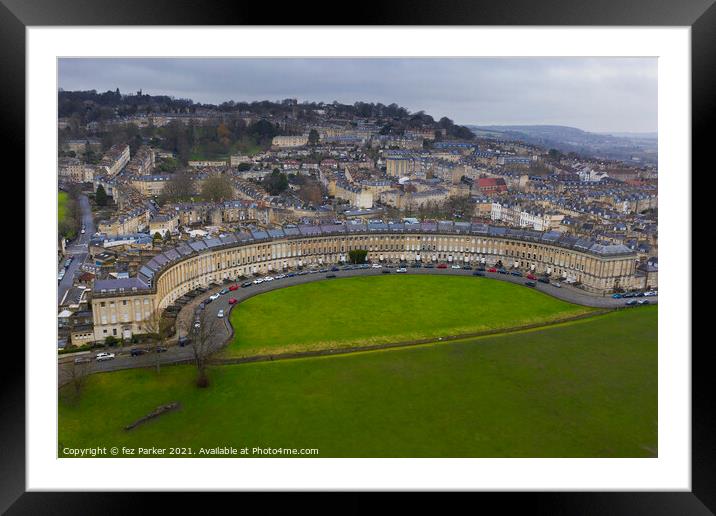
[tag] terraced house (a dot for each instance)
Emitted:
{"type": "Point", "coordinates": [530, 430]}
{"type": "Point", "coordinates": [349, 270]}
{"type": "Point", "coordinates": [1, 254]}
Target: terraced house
{"type": "Point", "coordinates": [121, 307]}
{"type": "Point", "coordinates": [115, 159]}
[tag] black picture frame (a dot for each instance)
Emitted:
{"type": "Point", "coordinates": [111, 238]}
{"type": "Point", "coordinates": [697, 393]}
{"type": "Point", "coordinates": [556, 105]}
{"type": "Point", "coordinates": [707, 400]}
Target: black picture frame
{"type": "Point", "coordinates": [700, 15]}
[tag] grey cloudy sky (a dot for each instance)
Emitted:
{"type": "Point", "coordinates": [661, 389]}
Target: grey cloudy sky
{"type": "Point", "coordinates": [594, 94]}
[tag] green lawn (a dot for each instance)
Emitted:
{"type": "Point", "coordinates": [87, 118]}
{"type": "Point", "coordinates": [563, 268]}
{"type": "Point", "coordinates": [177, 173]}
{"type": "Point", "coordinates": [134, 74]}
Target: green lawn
{"type": "Point", "coordinates": [62, 198]}
{"type": "Point", "coordinates": [581, 389]}
{"type": "Point", "coordinates": [243, 146]}
{"type": "Point", "coordinates": [383, 309]}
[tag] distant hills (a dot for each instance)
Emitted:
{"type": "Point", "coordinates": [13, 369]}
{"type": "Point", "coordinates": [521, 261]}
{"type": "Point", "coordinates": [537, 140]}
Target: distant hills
{"type": "Point", "coordinates": [629, 147]}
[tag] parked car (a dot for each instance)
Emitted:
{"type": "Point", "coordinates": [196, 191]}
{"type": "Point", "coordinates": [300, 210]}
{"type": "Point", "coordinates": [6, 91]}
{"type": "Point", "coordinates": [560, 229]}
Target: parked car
{"type": "Point", "coordinates": [233, 301]}
{"type": "Point", "coordinates": [516, 273]}
{"type": "Point", "coordinates": [183, 341]}
{"type": "Point", "coordinates": [135, 352]}
{"type": "Point", "coordinates": [543, 280]}
{"type": "Point", "coordinates": [330, 275]}
{"type": "Point", "coordinates": [643, 302]}
{"type": "Point", "coordinates": [233, 287]}
{"type": "Point", "coordinates": [220, 313]}
{"type": "Point", "coordinates": [631, 302]}
{"type": "Point", "coordinates": [531, 276]}
{"type": "Point", "coordinates": [82, 360]}
{"type": "Point", "coordinates": [385, 271]}
{"type": "Point", "coordinates": [467, 267]}
{"type": "Point", "coordinates": [502, 271]}
{"type": "Point", "coordinates": [530, 283]}
{"type": "Point", "coordinates": [455, 266]}
{"type": "Point", "coordinates": [650, 293]}
{"type": "Point", "coordinates": [101, 357]}
{"type": "Point", "coordinates": [557, 284]}
{"type": "Point", "coordinates": [442, 266]}
{"type": "Point", "coordinates": [247, 284]}
{"type": "Point", "coordinates": [334, 269]}
{"type": "Point", "coordinates": [214, 297]}
{"type": "Point", "coordinates": [223, 291]}
{"type": "Point", "coordinates": [401, 269]}
{"type": "Point", "coordinates": [491, 269]}
{"type": "Point", "coordinates": [161, 349]}
{"type": "Point", "coordinates": [269, 278]}
{"type": "Point", "coordinates": [429, 266]}
{"type": "Point", "coordinates": [616, 296]}
{"type": "Point", "coordinates": [258, 280]}
{"type": "Point", "coordinates": [478, 273]}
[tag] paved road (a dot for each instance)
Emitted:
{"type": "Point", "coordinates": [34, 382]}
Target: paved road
{"type": "Point", "coordinates": [185, 318]}
{"type": "Point", "coordinates": [78, 249]}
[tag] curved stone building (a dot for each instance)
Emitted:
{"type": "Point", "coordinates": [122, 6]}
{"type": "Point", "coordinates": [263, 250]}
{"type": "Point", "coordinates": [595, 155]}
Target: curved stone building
{"type": "Point", "coordinates": [121, 307]}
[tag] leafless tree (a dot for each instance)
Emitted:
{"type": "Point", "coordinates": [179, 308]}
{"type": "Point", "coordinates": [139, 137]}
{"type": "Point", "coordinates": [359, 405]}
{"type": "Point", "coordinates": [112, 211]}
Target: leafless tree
{"type": "Point", "coordinates": [159, 329]}
{"type": "Point", "coordinates": [76, 372]}
{"type": "Point", "coordinates": [217, 188]}
{"type": "Point", "coordinates": [205, 339]}
{"type": "Point", "coordinates": [179, 187]}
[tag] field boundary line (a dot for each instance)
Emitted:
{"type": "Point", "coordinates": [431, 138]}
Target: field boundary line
{"type": "Point", "coordinates": [407, 343]}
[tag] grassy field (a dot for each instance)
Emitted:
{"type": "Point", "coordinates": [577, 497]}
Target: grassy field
{"type": "Point", "coordinates": [362, 311]}
{"type": "Point", "coordinates": [580, 389]}
{"type": "Point", "coordinates": [62, 198]}
{"type": "Point", "coordinates": [243, 146]}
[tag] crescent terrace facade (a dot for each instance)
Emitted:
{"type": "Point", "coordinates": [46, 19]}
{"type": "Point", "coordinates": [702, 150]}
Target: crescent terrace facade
{"type": "Point", "coordinates": [121, 307]}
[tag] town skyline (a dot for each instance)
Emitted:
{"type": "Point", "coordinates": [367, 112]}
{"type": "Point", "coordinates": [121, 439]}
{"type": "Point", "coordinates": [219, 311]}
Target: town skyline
{"type": "Point", "coordinates": [598, 95]}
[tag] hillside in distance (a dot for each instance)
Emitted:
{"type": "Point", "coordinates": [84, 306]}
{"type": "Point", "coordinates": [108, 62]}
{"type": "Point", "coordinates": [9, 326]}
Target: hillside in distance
{"type": "Point", "coordinates": [628, 147]}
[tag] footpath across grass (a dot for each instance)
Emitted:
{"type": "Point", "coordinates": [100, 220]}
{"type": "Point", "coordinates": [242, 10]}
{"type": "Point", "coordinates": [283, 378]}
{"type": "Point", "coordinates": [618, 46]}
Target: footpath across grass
{"type": "Point", "coordinates": [363, 311]}
{"type": "Point", "coordinates": [581, 389]}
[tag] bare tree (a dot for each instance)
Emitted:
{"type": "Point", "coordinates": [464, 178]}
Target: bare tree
{"type": "Point", "coordinates": [205, 338]}
{"type": "Point", "coordinates": [179, 187]}
{"type": "Point", "coordinates": [217, 188]}
{"type": "Point", "coordinates": [159, 329]}
{"type": "Point", "coordinates": [76, 372]}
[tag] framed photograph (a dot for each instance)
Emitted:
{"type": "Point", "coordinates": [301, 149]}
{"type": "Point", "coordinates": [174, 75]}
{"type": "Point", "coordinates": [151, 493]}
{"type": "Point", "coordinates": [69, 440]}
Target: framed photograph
{"type": "Point", "coordinates": [415, 253]}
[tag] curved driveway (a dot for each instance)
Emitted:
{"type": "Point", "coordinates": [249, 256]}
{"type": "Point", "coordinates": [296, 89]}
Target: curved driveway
{"type": "Point", "coordinates": [177, 354]}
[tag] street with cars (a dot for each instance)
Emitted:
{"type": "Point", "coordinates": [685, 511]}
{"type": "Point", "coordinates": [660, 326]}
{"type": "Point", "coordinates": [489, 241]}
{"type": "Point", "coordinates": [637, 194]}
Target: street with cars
{"type": "Point", "coordinates": [76, 251]}
{"type": "Point", "coordinates": [218, 301]}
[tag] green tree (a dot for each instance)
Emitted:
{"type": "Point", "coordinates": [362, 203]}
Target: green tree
{"type": "Point", "coordinates": [100, 196]}
{"type": "Point", "coordinates": [313, 137]}
{"type": "Point", "coordinates": [168, 165]}
{"type": "Point", "coordinates": [555, 155]}
{"type": "Point", "coordinates": [357, 255]}
{"type": "Point", "coordinates": [276, 182]}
